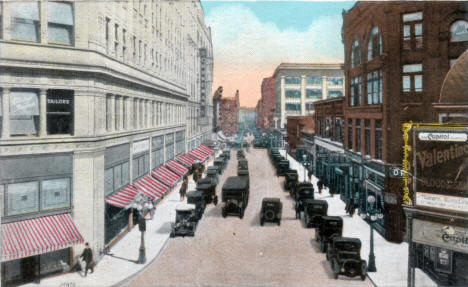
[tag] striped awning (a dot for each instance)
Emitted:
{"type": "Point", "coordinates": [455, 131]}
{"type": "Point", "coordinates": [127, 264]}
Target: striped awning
{"type": "Point", "coordinates": [151, 187]}
{"type": "Point", "coordinates": [197, 154]}
{"type": "Point", "coordinates": [185, 159]}
{"type": "Point", "coordinates": [165, 176]}
{"type": "Point", "coordinates": [205, 149]}
{"type": "Point", "coordinates": [122, 197]}
{"type": "Point", "coordinates": [176, 167]}
{"type": "Point", "coordinates": [38, 235]}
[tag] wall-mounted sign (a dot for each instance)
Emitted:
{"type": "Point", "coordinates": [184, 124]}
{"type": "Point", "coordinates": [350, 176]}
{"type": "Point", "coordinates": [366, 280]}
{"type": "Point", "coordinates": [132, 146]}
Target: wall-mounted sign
{"type": "Point", "coordinates": [203, 55]}
{"type": "Point", "coordinates": [442, 201]}
{"type": "Point", "coordinates": [440, 235]}
{"type": "Point", "coordinates": [444, 260]}
{"type": "Point", "coordinates": [140, 146]}
{"type": "Point", "coordinates": [443, 137]}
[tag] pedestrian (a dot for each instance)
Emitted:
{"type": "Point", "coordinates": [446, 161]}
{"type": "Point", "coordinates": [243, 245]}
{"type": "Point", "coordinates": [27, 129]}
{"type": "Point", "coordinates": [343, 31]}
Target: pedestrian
{"type": "Point", "coordinates": [352, 208]}
{"type": "Point", "coordinates": [87, 256]}
{"type": "Point", "coordinates": [183, 188]}
{"type": "Point", "coordinates": [320, 185]}
{"type": "Point", "coordinates": [309, 174]}
{"type": "Point", "coordinates": [196, 175]}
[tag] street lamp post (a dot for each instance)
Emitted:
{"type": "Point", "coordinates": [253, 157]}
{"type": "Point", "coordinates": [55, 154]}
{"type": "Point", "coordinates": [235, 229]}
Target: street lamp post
{"type": "Point", "coordinates": [373, 215]}
{"type": "Point", "coordinates": [303, 165]}
{"type": "Point", "coordinates": [143, 205]}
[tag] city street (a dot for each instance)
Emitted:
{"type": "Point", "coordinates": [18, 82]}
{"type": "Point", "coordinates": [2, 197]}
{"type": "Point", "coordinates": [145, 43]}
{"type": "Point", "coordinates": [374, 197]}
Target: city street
{"type": "Point", "coordinates": [234, 252]}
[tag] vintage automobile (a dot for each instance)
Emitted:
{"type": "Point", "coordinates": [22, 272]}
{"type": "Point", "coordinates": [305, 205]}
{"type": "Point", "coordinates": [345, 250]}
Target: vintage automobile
{"type": "Point", "coordinates": [235, 194]}
{"type": "Point", "coordinates": [304, 195]}
{"type": "Point", "coordinates": [242, 164]}
{"type": "Point", "coordinates": [219, 163]}
{"type": "Point", "coordinates": [332, 226]}
{"type": "Point", "coordinates": [282, 167]}
{"type": "Point", "coordinates": [212, 171]}
{"type": "Point", "coordinates": [186, 220]}
{"type": "Point", "coordinates": [271, 210]}
{"type": "Point", "coordinates": [240, 154]}
{"type": "Point", "coordinates": [314, 210]}
{"type": "Point", "coordinates": [293, 191]}
{"type": "Point", "coordinates": [208, 186]}
{"type": "Point", "coordinates": [226, 153]}
{"type": "Point", "coordinates": [197, 198]}
{"type": "Point", "coordinates": [290, 179]}
{"type": "Point", "coordinates": [344, 254]}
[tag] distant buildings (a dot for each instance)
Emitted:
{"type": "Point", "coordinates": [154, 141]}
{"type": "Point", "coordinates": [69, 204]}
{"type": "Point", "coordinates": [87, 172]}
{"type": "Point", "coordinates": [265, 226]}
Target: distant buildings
{"type": "Point", "coordinates": [298, 85]}
{"type": "Point", "coordinates": [297, 125]}
{"type": "Point", "coordinates": [228, 121]}
{"type": "Point", "coordinates": [247, 118]}
{"type": "Point", "coordinates": [265, 108]}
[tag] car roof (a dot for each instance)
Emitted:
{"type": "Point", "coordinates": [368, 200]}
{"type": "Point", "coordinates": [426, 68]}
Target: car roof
{"type": "Point", "coordinates": [185, 207]}
{"type": "Point", "coordinates": [317, 201]}
{"type": "Point", "coordinates": [194, 193]}
{"type": "Point", "coordinates": [271, 199]}
{"type": "Point", "coordinates": [235, 182]}
{"type": "Point", "coordinates": [347, 239]}
{"type": "Point", "coordinates": [332, 218]}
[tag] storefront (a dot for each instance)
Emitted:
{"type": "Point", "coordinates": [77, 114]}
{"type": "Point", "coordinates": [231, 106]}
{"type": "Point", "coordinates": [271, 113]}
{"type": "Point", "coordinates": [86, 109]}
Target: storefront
{"type": "Point", "coordinates": [157, 151]}
{"type": "Point", "coordinates": [169, 139]}
{"type": "Point", "coordinates": [180, 142]}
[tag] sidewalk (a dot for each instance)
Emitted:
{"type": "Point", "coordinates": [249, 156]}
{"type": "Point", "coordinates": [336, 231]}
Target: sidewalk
{"type": "Point", "coordinates": [119, 265]}
{"type": "Point", "coordinates": [391, 259]}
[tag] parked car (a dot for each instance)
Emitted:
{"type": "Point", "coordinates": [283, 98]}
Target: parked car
{"type": "Point", "coordinates": [207, 185]}
{"type": "Point", "coordinates": [197, 198]}
{"type": "Point", "coordinates": [344, 254]}
{"type": "Point", "coordinates": [242, 164]}
{"type": "Point", "coordinates": [219, 163]}
{"type": "Point", "coordinates": [332, 226]}
{"type": "Point", "coordinates": [282, 167]}
{"type": "Point", "coordinates": [314, 210]}
{"type": "Point", "coordinates": [303, 194]}
{"type": "Point", "coordinates": [235, 194]}
{"type": "Point", "coordinates": [293, 191]}
{"type": "Point", "coordinates": [290, 179]}
{"type": "Point", "coordinates": [212, 171]}
{"type": "Point", "coordinates": [272, 209]}
{"type": "Point", "coordinates": [226, 153]}
{"type": "Point", "coordinates": [186, 220]}
{"type": "Point", "coordinates": [240, 154]}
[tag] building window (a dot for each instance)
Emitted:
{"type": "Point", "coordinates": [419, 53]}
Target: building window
{"type": "Point", "coordinates": [293, 107]}
{"type": "Point", "coordinates": [367, 137]}
{"type": "Point", "coordinates": [412, 78]}
{"type": "Point", "coordinates": [116, 177]}
{"type": "Point", "coordinates": [24, 113]}
{"type": "Point", "coordinates": [350, 133]}
{"type": "Point", "coordinates": [335, 93]}
{"type": "Point", "coordinates": [459, 31]}
{"type": "Point", "coordinates": [55, 193]}
{"type": "Point", "coordinates": [60, 24]}
{"type": "Point", "coordinates": [108, 112]}
{"type": "Point", "coordinates": [107, 34]}
{"type": "Point", "coordinates": [59, 112]}
{"type": "Point", "coordinates": [358, 135]}
{"type": "Point", "coordinates": [355, 54]}
{"type": "Point", "coordinates": [293, 94]}
{"type": "Point", "coordinates": [413, 31]}
{"type": "Point", "coordinates": [1, 20]}
{"type": "Point", "coordinates": [374, 87]}
{"type": "Point", "coordinates": [309, 107]}
{"type": "Point", "coordinates": [314, 80]}
{"type": "Point", "coordinates": [124, 45]}
{"type": "Point", "coordinates": [124, 113]}
{"type": "Point", "coordinates": [313, 93]}
{"type": "Point", "coordinates": [135, 113]}
{"type": "Point", "coordinates": [134, 48]}
{"type": "Point", "coordinates": [374, 48]}
{"type": "Point", "coordinates": [355, 91]}
{"type": "Point", "coordinates": [139, 51]}
{"type": "Point", "coordinates": [116, 40]}
{"type": "Point", "coordinates": [335, 81]}
{"type": "Point", "coordinates": [25, 21]}
{"type": "Point", "coordinates": [292, 80]}
{"type": "Point", "coordinates": [338, 130]}
{"type": "Point", "coordinates": [378, 139]}
{"type": "Point", "coordinates": [140, 165]}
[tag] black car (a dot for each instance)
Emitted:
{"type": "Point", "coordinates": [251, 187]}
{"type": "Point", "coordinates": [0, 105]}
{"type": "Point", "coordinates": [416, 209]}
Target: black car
{"type": "Point", "coordinates": [240, 154]}
{"type": "Point", "coordinates": [332, 226]}
{"type": "Point", "coordinates": [344, 254]}
{"type": "Point", "coordinates": [212, 171]}
{"type": "Point", "coordinates": [235, 194]}
{"type": "Point", "coordinates": [186, 220]}
{"type": "Point", "coordinates": [299, 185]}
{"type": "Point", "coordinates": [219, 163]}
{"type": "Point", "coordinates": [282, 167]}
{"type": "Point", "coordinates": [207, 185]}
{"type": "Point", "coordinates": [226, 153]}
{"type": "Point", "coordinates": [242, 164]}
{"type": "Point", "coordinates": [197, 198]}
{"type": "Point", "coordinates": [303, 194]}
{"type": "Point", "coordinates": [290, 179]}
{"type": "Point", "coordinates": [271, 210]}
{"type": "Point", "coordinates": [314, 210]}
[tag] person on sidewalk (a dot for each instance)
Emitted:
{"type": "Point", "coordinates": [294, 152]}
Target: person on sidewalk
{"type": "Point", "coordinates": [87, 256]}
{"type": "Point", "coordinates": [320, 185]}
{"type": "Point", "coordinates": [183, 188]}
{"type": "Point", "coordinates": [309, 174]}
{"type": "Point", "coordinates": [351, 208]}
{"type": "Point", "coordinates": [196, 175]}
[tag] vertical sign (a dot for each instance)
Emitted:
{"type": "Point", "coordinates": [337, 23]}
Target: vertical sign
{"type": "Point", "coordinates": [203, 60]}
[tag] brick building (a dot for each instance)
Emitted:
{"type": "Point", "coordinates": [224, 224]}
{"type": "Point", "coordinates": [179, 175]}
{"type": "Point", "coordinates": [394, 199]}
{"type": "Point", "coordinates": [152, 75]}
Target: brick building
{"type": "Point", "coordinates": [266, 105]}
{"type": "Point", "coordinates": [295, 126]}
{"type": "Point", "coordinates": [229, 115]}
{"type": "Point", "coordinates": [396, 58]}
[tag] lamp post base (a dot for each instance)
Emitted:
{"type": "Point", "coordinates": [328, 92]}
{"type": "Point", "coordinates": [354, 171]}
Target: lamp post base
{"type": "Point", "coordinates": [141, 256]}
{"type": "Point", "coordinates": [371, 266]}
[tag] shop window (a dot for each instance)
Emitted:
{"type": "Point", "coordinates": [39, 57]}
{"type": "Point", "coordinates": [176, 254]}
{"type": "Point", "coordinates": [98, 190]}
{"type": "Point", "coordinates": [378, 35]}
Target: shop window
{"type": "Point", "coordinates": [335, 93]}
{"type": "Point", "coordinates": [24, 113]}
{"type": "Point", "coordinates": [293, 94]}
{"type": "Point", "coordinates": [355, 91]}
{"type": "Point", "coordinates": [334, 81]}
{"type": "Point", "coordinates": [116, 177]}
{"type": "Point", "coordinates": [23, 198]}
{"type": "Point", "coordinates": [292, 80]}
{"type": "Point", "coordinates": [367, 137]}
{"type": "Point", "coordinates": [314, 93]}
{"type": "Point", "coordinates": [378, 139]}
{"type": "Point", "coordinates": [374, 47]}
{"type": "Point", "coordinates": [140, 165]}
{"type": "Point", "coordinates": [350, 133]}
{"type": "Point", "coordinates": [25, 21]}
{"type": "Point", "coordinates": [355, 54]}
{"type": "Point", "coordinates": [55, 193]}
{"type": "Point", "coordinates": [59, 112]}
{"type": "Point", "coordinates": [459, 31]}
{"type": "Point", "coordinates": [412, 79]}
{"type": "Point", "coordinates": [374, 87]}
{"type": "Point", "coordinates": [60, 26]}
{"type": "Point", "coordinates": [54, 262]}
{"type": "Point", "coordinates": [358, 135]}
{"type": "Point", "coordinates": [413, 31]}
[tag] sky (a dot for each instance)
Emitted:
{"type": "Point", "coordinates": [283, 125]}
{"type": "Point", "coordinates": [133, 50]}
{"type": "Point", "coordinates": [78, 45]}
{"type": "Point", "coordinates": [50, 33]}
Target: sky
{"type": "Point", "coordinates": [251, 38]}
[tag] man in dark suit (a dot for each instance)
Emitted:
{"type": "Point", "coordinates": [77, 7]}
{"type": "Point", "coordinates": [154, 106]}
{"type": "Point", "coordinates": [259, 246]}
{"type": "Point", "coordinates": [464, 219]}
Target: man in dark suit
{"type": "Point", "coordinates": [87, 256]}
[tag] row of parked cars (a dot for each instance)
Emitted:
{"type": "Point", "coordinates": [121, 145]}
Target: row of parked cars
{"type": "Point", "coordinates": [188, 215]}
{"type": "Point", "coordinates": [343, 253]}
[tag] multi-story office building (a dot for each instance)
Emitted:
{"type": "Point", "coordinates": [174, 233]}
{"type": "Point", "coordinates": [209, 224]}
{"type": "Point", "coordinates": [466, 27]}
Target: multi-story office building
{"type": "Point", "coordinates": [265, 108]}
{"type": "Point", "coordinates": [94, 95]}
{"type": "Point", "coordinates": [297, 86]}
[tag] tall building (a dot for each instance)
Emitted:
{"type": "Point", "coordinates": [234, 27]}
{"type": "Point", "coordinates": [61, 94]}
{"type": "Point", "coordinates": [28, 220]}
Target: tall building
{"type": "Point", "coordinates": [396, 58]}
{"type": "Point", "coordinates": [297, 86]}
{"type": "Point", "coordinates": [94, 96]}
{"type": "Point", "coordinates": [266, 105]}
{"type": "Point", "coordinates": [228, 121]}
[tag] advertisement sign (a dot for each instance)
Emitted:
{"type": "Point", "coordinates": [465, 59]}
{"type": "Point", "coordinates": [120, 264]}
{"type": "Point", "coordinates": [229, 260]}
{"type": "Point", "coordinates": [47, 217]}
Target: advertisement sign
{"type": "Point", "coordinates": [436, 234]}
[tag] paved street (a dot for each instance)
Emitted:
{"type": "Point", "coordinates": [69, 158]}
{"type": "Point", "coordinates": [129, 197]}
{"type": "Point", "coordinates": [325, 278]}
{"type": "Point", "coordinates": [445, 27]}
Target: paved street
{"type": "Point", "coordinates": [233, 252]}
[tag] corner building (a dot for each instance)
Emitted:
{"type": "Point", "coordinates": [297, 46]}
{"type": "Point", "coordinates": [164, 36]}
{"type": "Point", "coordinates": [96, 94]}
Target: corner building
{"type": "Point", "coordinates": [94, 96]}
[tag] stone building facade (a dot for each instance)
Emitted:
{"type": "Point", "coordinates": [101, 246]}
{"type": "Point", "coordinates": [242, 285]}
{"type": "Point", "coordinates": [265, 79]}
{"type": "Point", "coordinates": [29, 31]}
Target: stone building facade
{"type": "Point", "coordinates": [94, 95]}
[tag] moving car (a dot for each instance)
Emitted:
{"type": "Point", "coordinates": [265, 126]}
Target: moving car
{"type": "Point", "coordinates": [219, 163]}
{"type": "Point", "coordinates": [212, 171]}
{"type": "Point", "coordinates": [314, 210]}
{"type": "Point", "coordinates": [240, 154]}
{"type": "Point", "coordinates": [332, 226]}
{"type": "Point", "coordinates": [344, 254]}
{"type": "Point", "coordinates": [282, 167]}
{"type": "Point", "coordinates": [235, 194]}
{"type": "Point", "coordinates": [186, 220]}
{"type": "Point", "coordinates": [207, 185]}
{"type": "Point", "coordinates": [271, 210]}
{"type": "Point", "coordinates": [197, 198]}
{"type": "Point", "coordinates": [303, 194]}
{"type": "Point", "coordinates": [290, 179]}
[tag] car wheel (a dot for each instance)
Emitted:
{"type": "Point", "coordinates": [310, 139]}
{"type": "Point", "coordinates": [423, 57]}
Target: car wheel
{"type": "Point", "coordinates": [316, 235]}
{"type": "Point", "coordinates": [215, 200]}
{"type": "Point", "coordinates": [335, 268]}
{"type": "Point", "coordinates": [363, 270]}
{"type": "Point", "coordinates": [241, 215]}
{"type": "Point", "coordinates": [327, 256]}
{"type": "Point", "coordinates": [172, 234]}
{"type": "Point", "coordinates": [322, 246]}
{"type": "Point", "coordinates": [279, 222]}
{"type": "Point", "coordinates": [262, 221]}
{"type": "Point", "coordinates": [224, 213]}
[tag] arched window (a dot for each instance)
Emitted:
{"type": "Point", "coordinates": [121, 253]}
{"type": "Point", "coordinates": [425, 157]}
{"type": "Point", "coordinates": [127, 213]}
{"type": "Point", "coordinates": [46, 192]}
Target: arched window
{"type": "Point", "coordinates": [374, 48]}
{"type": "Point", "coordinates": [459, 31]}
{"type": "Point", "coordinates": [355, 54]}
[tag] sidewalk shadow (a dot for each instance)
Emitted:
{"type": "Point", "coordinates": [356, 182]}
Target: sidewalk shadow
{"type": "Point", "coordinates": [213, 212]}
{"type": "Point", "coordinates": [121, 258]}
{"type": "Point", "coordinates": [166, 228]}
{"type": "Point", "coordinates": [315, 245]}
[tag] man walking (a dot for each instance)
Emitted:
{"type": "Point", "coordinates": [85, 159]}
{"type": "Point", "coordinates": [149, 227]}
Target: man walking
{"type": "Point", "coordinates": [183, 188]}
{"type": "Point", "coordinates": [87, 256]}
{"type": "Point", "coordinates": [320, 185]}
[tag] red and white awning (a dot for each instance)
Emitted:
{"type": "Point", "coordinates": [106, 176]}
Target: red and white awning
{"type": "Point", "coordinates": [165, 176]}
{"type": "Point", "coordinates": [197, 154]}
{"type": "Point", "coordinates": [185, 159]}
{"type": "Point", "coordinates": [122, 197]}
{"type": "Point", "coordinates": [151, 187]}
{"type": "Point", "coordinates": [205, 149]}
{"type": "Point", "coordinates": [38, 235]}
{"type": "Point", "coordinates": [176, 167]}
